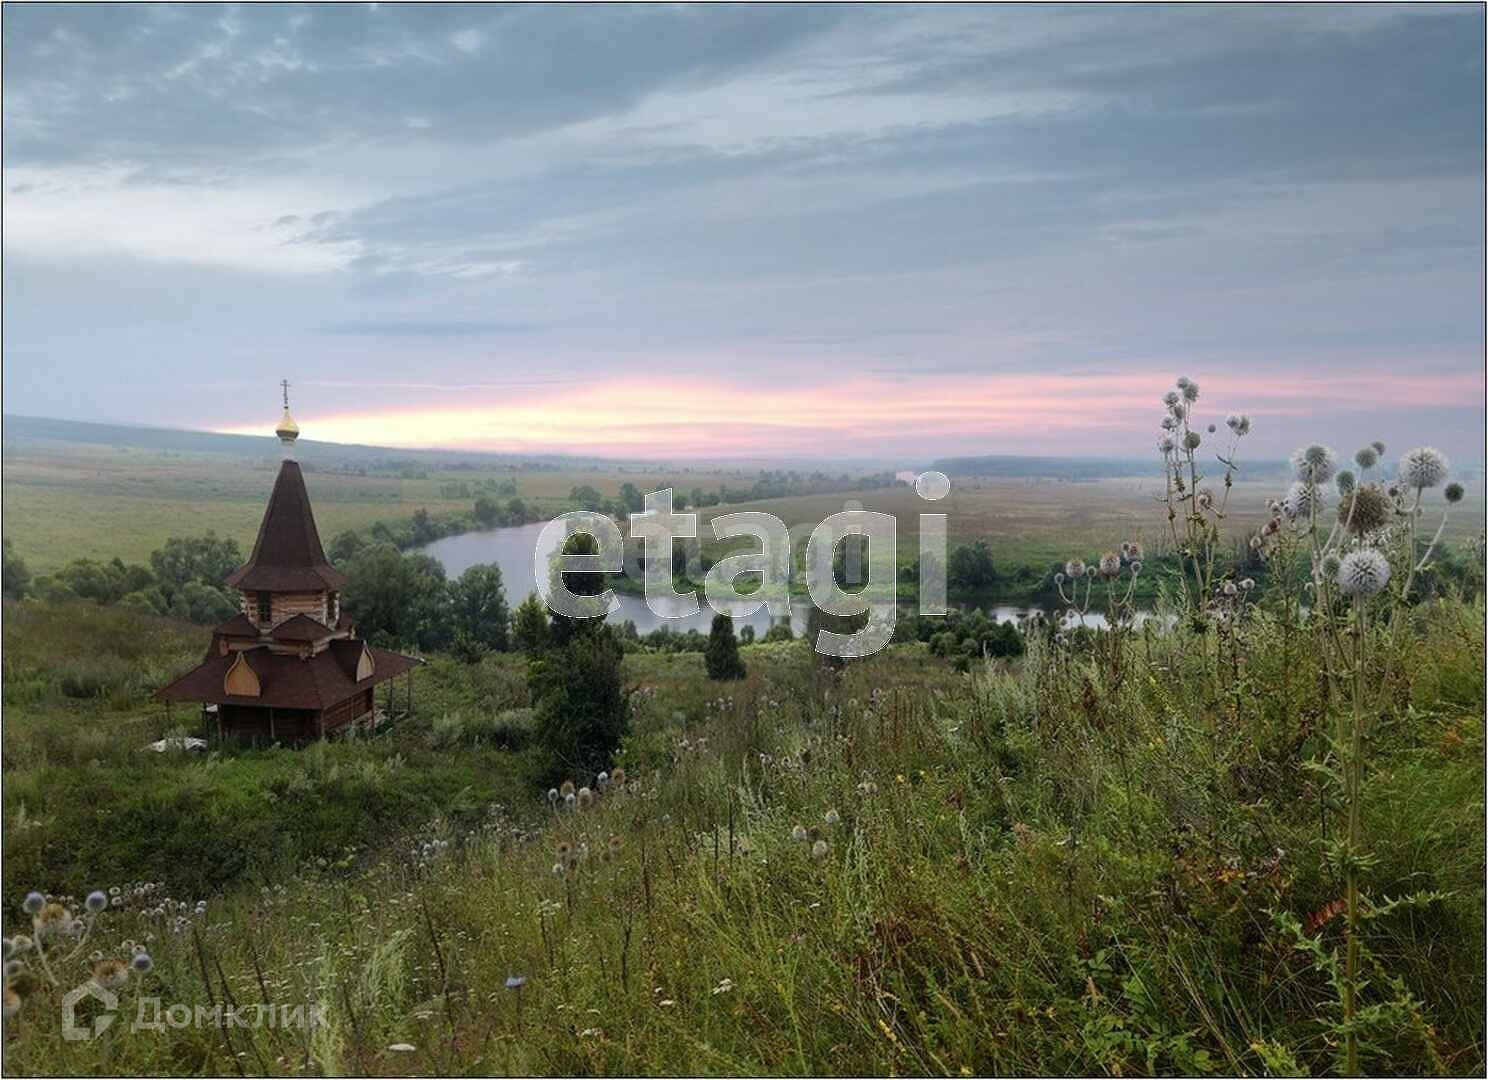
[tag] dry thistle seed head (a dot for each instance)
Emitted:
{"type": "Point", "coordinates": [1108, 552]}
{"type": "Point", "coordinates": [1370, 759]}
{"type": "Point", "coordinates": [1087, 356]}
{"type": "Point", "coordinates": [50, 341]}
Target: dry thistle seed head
{"type": "Point", "coordinates": [1315, 463]}
{"type": "Point", "coordinates": [832, 818]}
{"type": "Point", "coordinates": [618, 777]}
{"type": "Point", "coordinates": [1379, 447]}
{"type": "Point", "coordinates": [559, 869]}
{"type": "Point", "coordinates": [1423, 467]}
{"type": "Point", "coordinates": [615, 843]}
{"type": "Point", "coordinates": [586, 798]}
{"type": "Point", "coordinates": [1344, 481]}
{"type": "Point", "coordinates": [552, 796]}
{"type": "Point", "coordinates": [798, 833]}
{"type": "Point", "coordinates": [1303, 500]}
{"type": "Point", "coordinates": [1205, 499]}
{"type": "Point", "coordinates": [1365, 510]}
{"type": "Point", "coordinates": [1246, 584]}
{"type": "Point", "coordinates": [1330, 564]}
{"type": "Point", "coordinates": [1075, 569]}
{"type": "Point", "coordinates": [1166, 445]}
{"type": "Point", "coordinates": [1366, 457]}
{"type": "Point", "coordinates": [1171, 398]}
{"type": "Point", "coordinates": [54, 919]}
{"type": "Point", "coordinates": [563, 850]}
{"type": "Point", "coordinates": [111, 974]}
{"type": "Point", "coordinates": [1110, 564]}
{"type": "Point", "coordinates": [10, 1002]}
{"type": "Point", "coordinates": [1229, 588]}
{"type": "Point", "coordinates": [1363, 573]}
{"type": "Point", "coordinates": [1191, 440]}
{"type": "Point", "coordinates": [1454, 492]}
{"type": "Point", "coordinates": [819, 849]}
{"type": "Point", "coordinates": [569, 800]}
{"type": "Point", "coordinates": [566, 788]}
{"type": "Point", "coordinates": [602, 781]}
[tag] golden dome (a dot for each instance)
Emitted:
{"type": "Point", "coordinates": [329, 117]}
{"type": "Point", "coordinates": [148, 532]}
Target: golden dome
{"type": "Point", "coordinates": [288, 431]}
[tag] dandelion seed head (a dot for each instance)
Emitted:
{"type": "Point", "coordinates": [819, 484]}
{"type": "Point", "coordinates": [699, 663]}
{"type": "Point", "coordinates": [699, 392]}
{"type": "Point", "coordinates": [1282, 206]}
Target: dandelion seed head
{"type": "Point", "coordinates": [96, 902]}
{"type": "Point", "coordinates": [1363, 573]}
{"type": "Point", "coordinates": [1075, 568]}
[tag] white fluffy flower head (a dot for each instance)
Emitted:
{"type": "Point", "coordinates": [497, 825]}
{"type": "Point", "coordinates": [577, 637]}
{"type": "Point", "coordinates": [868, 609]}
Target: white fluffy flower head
{"type": "Point", "coordinates": [1423, 467]}
{"type": "Point", "coordinates": [1315, 463]}
{"type": "Point", "coordinates": [1363, 573]}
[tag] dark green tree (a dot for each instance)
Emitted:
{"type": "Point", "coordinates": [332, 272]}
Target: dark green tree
{"type": "Point", "coordinates": [530, 625]}
{"type": "Point", "coordinates": [971, 567]}
{"type": "Point", "coordinates": [398, 599]}
{"type": "Point", "coordinates": [579, 702]}
{"type": "Point", "coordinates": [722, 655]}
{"type": "Point", "coordinates": [202, 558]}
{"type": "Point", "coordinates": [487, 511]}
{"type": "Point", "coordinates": [580, 583]}
{"type": "Point", "coordinates": [631, 497]}
{"type": "Point", "coordinates": [478, 609]}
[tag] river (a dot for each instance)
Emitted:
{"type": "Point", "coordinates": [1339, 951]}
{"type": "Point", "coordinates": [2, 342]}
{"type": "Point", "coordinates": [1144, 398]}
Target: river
{"type": "Point", "coordinates": [512, 547]}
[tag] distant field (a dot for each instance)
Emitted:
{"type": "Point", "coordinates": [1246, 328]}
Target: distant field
{"type": "Point", "coordinates": [72, 500]}
{"type": "Point", "coordinates": [65, 500]}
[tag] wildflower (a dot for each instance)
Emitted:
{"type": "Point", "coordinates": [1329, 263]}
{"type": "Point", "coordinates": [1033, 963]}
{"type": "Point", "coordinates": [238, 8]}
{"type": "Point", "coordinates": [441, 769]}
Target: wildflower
{"type": "Point", "coordinates": [1366, 457]}
{"type": "Point", "coordinates": [1246, 584]}
{"type": "Point", "coordinates": [54, 919]}
{"type": "Point", "coordinates": [1171, 398]}
{"type": "Point", "coordinates": [33, 903]}
{"type": "Point", "coordinates": [799, 833]}
{"type": "Point", "coordinates": [819, 849]}
{"type": "Point", "coordinates": [1136, 567]}
{"type": "Point", "coordinates": [1330, 565]}
{"type": "Point", "coordinates": [724, 986]}
{"type": "Point", "coordinates": [96, 901]}
{"type": "Point", "coordinates": [10, 1003]}
{"type": "Point", "coordinates": [1453, 492]}
{"type": "Point", "coordinates": [866, 788]}
{"type": "Point", "coordinates": [1131, 550]}
{"type": "Point", "coordinates": [1166, 444]}
{"type": "Point", "coordinates": [559, 869]}
{"type": "Point", "coordinates": [403, 1048]}
{"type": "Point", "coordinates": [618, 777]}
{"type": "Point", "coordinates": [1191, 440]}
{"type": "Point", "coordinates": [615, 844]}
{"type": "Point", "coordinates": [1303, 500]}
{"type": "Point", "coordinates": [564, 851]}
{"type": "Point", "coordinates": [1230, 588]}
{"type": "Point", "coordinates": [1205, 499]}
{"type": "Point", "coordinates": [1314, 464]}
{"type": "Point", "coordinates": [602, 781]}
{"type": "Point", "coordinates": [569, 800]}
{"type": "Point", "coordinates": [1059, 578]}
{"type": "Point", "coordinates": [1344, 481]}
{"type": "Point", "coordinates": [1190, 390]}
{"type": "Point", "coordinates": [1365, 510]}
{"type": "Point", "coordinates": [1074, 569]}
{"type": "Point", "coordinates": [585, 798]}
{"type": "Point", "coordinates": [111, 974]}
{"type": "Point", "coordinates": [1110, 564]}
{"type": "Point", "coordinates": [516, 982]}
{"type": "Point", "coordinates": [142, 963]}
{"type": "Point", "coordinates": [1423, 467]}
{"type": "Point", "coordinates": [1363, 573]}
{"type": "Point", "coordinates": [552, 796]}
{"type": "Point", "coordinates": [832, 818]}
{"type": "Point", "coordinates": [566, 788]}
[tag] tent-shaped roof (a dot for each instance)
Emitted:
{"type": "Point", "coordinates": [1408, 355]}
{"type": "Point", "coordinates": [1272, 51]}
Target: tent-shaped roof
{"type": "Point", "coordinates": [287, 557]}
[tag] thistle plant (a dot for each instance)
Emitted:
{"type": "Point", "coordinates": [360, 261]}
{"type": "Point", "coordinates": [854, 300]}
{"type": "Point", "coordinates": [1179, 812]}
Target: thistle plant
{"type": "Point", "coordinates": [1195, 512]}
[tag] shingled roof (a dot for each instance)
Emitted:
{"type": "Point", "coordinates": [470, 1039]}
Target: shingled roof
{"type": "Point", "coordinates": [288, 682]}
{"type": "Point", "coordinates": [287, 557]}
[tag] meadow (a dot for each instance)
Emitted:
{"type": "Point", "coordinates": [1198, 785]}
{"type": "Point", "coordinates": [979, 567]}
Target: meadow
{"type": "Point", "coordinates": [1247, 838]}
{"type": "Point", "coordinates": [1039, 866]}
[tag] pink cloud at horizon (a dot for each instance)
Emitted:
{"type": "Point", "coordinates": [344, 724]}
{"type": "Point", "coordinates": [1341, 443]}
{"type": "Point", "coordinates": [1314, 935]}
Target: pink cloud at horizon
{"type": "Point", "coordinates": [860, 416]}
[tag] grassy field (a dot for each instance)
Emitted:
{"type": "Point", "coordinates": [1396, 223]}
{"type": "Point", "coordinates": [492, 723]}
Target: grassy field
{"type": "Point", "coordinates": [1014, 875]}
{"type": "Point", "coordinates": [74, 500]}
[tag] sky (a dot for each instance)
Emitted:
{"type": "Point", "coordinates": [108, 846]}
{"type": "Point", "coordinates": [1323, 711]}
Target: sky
{"type": "Point", "coordinates": [887, 232]}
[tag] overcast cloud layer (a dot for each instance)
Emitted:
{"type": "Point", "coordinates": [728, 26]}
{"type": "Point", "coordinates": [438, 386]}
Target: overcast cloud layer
{"type": "Point", "coordinates": [498, 226]}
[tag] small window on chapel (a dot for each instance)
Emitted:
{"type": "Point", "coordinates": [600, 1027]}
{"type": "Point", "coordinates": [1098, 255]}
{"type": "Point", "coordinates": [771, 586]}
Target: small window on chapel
{"type": "Point", "coordinates": [265, 607]}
